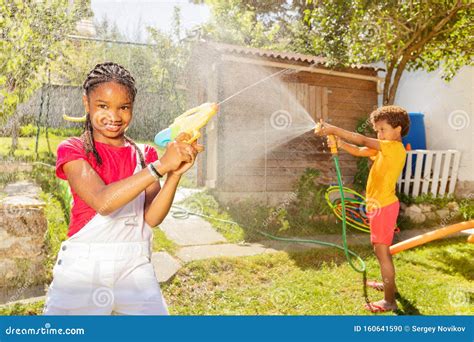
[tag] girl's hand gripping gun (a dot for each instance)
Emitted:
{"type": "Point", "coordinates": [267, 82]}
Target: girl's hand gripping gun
{"type": "Point", "coordinates": [189, 122]}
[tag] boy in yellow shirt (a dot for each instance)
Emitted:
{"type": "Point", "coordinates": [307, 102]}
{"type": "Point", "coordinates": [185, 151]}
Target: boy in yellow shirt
{"type": "Point", "coordinates": [390, 123]}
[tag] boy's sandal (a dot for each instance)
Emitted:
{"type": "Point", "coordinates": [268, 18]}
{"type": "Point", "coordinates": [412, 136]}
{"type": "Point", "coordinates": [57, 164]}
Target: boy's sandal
{"type": "Point", "coordinates": [376, 308]}
{"type": "Point", "coordinates": [377, 285]}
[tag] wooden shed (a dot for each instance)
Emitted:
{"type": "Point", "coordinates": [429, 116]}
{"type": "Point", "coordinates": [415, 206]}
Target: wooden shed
{"type": "Point", "coordinates": [247, 155]}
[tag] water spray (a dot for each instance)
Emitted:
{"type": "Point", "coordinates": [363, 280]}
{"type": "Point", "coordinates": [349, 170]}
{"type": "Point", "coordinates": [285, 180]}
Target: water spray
{"type": "Point", "coordinates": [192, 120]}
{"type": "Point", "coordinates": [196, 118]}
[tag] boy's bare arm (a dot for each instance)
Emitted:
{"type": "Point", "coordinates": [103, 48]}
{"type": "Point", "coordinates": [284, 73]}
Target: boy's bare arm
{"type": "Point", "coordinates": [353, 149]}
{"type": "Point", "coordinates": [355, 138]}
{"type": "Point", "coordinates": [357, 151]}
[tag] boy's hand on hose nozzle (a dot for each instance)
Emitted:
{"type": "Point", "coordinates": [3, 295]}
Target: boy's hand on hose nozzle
{"type": "Point", "coordinates": [336, 142]}
{"type": "Point", "coordinates": [323, 128]}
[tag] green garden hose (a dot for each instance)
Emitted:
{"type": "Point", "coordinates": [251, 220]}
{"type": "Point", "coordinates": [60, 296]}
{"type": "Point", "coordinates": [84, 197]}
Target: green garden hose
{"type": "Point", "coordinates": [183, 213]}
{"type": "Point", "coordinates": [180, 212]}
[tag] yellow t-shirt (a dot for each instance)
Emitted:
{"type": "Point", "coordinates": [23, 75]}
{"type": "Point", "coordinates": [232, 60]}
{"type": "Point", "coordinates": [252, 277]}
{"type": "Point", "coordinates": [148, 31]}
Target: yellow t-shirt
{"type": "Point", "coordinates": [384, 173]}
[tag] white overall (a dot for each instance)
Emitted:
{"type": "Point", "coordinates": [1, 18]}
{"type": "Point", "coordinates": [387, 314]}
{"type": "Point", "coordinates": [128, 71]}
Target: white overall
{"type": "Point", "coordinates": [105, 268]}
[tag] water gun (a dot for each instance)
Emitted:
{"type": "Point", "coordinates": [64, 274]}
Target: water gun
{"type": "Point", "coordinates": [189, 122]}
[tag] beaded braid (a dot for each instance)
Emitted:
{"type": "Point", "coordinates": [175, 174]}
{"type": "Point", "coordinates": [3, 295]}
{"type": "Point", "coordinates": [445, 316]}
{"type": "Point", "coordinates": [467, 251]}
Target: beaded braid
{"type": "Point", "coordinates": [140, 155]}
{"type": "Point", "coordinates": [102, 73]}
{"type": "Point", "coordinates": [88, 140]}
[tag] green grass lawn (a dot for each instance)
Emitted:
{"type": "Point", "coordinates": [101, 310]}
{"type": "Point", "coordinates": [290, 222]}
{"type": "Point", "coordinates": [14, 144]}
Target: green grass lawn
{"type": "Point", "coordinates": [26, 151]}
{"type": "Point", "coordinates": [26, 146]}
{"type": "Point", "coordinates": [436, 279]}
{"type": "Point", "coordinates": [162, 243]}
{"type": "Point", "coordinates": [432, 280]}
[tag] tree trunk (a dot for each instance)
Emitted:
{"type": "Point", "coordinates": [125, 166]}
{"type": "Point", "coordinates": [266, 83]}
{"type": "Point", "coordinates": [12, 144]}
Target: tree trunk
{"type": "Point", "coordinates": [15, 133]}
{"type": "Point", "coordinates": [386, 85]}
{"type": "Point", "coordinates": [394, 86]}
{"type": "Point", "coordinates": [15, 124]}
{"type": "Point", "coordinates": [391, 91]}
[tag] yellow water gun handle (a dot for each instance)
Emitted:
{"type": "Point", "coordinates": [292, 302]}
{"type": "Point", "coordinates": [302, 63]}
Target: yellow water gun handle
{"type": "Point", "coordinates": [196, 136]}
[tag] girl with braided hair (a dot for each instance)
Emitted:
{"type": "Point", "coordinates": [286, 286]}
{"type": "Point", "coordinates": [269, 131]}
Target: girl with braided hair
{"type": "Point", "coordinates": [104, 266]}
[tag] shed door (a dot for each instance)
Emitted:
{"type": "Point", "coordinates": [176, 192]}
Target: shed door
{"type": "Point", "coordinates": [313, 98]}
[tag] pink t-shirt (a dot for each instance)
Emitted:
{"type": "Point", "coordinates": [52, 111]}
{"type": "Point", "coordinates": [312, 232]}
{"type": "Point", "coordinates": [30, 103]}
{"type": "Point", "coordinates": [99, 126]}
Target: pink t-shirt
{"type": "Point", "coordinates": [118, 162]}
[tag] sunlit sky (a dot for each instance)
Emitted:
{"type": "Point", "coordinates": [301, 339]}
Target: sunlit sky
{"type": "Point", "coordinates": [134, 16]}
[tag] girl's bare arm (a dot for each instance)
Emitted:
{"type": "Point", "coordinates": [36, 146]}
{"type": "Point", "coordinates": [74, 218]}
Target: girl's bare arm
{"type": "Point", "coordinates": [105, 199]}
{"type": "Point", "coordinates": [161, 203]}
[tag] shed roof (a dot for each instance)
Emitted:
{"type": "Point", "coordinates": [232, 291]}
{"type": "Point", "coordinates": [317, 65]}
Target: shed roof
{"type": "Point", "coordinates": [288, 56]}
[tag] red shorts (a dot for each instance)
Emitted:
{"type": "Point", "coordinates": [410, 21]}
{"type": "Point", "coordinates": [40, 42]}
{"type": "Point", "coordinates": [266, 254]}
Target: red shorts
{"type": "Point", "coordinates": [383, 222]}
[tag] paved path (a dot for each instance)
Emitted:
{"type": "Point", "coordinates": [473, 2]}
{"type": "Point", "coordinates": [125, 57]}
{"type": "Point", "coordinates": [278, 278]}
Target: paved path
{"type": "Point", "coordinates": [191, 231]}
{"type": "Point", "coordinates": [197, 240]}
{"type": "Point", "coordinates": [223, 250]}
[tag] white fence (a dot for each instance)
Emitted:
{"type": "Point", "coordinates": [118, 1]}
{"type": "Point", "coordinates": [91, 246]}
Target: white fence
{"type": "Point", "coordinates": [429, 171]}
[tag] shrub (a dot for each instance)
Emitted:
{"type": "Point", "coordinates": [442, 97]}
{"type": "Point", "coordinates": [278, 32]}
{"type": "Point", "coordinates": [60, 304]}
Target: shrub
{"type": "Point", "coordinates": [30, 130]}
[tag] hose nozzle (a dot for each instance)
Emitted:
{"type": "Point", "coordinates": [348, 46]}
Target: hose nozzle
{"type": "Point", "coordinates": [333, 140]}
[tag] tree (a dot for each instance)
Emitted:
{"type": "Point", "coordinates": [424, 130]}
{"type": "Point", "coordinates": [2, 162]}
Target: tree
{"type": "Point", "coordinates": [157, 67]}
{"type": "Point", "coordinates": [169, 67]}
{"type": "Point", "coordinates": [405, 35]}
{"type": "Point", "coordinates": [109, 44]}
{"type": "Point", "coordinates": [274, 25]}
{"type": "Point", "coordinates": [32, 36]}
